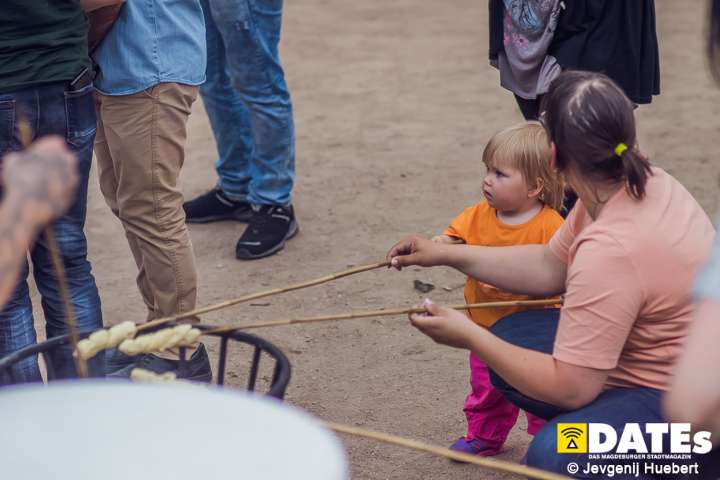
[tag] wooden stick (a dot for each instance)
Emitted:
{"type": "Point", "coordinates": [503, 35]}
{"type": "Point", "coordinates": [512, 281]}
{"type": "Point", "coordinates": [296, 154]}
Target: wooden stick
{"type": "Point", "coordinates": [59, 268]}
{"type": "Point", "coordinates": [80, 363]}
{"type": "Point", "coordinates": [381, 313]}
{"type": "Point", "coordinates": [266, 293]}
{"type": "Point", "coordinates": [490, 463]}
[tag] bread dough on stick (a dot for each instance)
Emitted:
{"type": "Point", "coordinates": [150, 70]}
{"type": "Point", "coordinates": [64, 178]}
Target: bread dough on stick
{"type": "Point", "coordinates": [104, 339]}
{"type": "Point", "coordinates": [179, 336]}
{"type": "Point", "coordinates": [142, 375]}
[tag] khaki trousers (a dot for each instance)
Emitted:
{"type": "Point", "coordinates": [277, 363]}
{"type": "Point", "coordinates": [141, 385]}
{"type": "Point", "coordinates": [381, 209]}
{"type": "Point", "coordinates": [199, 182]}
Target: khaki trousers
{"type": "Point", "coordinates": [140, 149]}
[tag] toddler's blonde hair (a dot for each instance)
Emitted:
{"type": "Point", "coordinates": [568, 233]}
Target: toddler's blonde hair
{"type": "Point", "coordinates": [525, 147]}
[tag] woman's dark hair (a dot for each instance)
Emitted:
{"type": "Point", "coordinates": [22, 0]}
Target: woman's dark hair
{"type": "Point", "coordinates": [713, 45]}
{"type": "Point", "coordinates": [587, 116]}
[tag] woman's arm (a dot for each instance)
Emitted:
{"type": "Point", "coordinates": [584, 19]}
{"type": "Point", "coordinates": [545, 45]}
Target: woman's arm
{"type": "Point", "coordinates": [526, 269]}
{"type": "Point", "coordinates": [603, 300]}
{"type": "Point", "coordinates": [534, 374]}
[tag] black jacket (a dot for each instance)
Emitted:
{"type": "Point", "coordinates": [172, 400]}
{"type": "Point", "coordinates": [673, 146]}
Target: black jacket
{"type": "Point", "coordinates": [615, 37]}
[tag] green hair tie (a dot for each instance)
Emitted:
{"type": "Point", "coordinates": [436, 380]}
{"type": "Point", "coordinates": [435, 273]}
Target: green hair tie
{"type": "Point", "coordinates": [621, 147]}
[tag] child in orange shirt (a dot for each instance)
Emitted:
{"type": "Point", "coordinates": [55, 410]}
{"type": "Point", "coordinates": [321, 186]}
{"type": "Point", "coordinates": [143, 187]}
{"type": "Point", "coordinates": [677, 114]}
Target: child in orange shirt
{"type": "Point", "coordinates": [522, 195]}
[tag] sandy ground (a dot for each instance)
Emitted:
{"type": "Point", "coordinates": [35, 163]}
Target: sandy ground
{"type": "Point", "coordinates": [394, 102]}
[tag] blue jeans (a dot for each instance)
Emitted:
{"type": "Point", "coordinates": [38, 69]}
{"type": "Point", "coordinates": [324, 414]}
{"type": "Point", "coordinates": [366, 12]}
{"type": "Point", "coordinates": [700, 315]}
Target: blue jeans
{"type": "Point", "coordinates": [248, 102]}
{"type": "Point", "coordinates": [52, 109]}
{"type": "Point", "coordinates": [535, 330]}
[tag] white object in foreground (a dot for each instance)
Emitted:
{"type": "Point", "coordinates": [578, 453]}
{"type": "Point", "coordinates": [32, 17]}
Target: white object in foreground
{"type": "Point", "coordinates": [93, 430]}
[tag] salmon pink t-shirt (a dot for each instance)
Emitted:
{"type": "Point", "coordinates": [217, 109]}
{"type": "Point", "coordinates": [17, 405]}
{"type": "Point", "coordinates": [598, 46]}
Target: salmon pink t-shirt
{"type": "Point", "coordinates": [480, 225]}
{"type": "Point", "coordinates": [627, 302]}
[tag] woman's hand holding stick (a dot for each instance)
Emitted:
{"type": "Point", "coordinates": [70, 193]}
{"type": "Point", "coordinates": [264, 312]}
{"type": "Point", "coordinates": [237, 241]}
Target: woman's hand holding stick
{"type": "Point", "coordinates": [416, 250]}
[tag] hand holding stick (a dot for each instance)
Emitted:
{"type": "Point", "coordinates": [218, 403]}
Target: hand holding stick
{"type": "Point", "coordinates": [416, 250]}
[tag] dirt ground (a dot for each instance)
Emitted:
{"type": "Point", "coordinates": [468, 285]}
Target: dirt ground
{"type": "Point", "coordinates": [394, 102]}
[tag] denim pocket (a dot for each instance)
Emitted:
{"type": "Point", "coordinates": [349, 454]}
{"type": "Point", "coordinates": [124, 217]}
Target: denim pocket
{"type": "Point", "coordinates": [80, 112]}
{"type": "Point", "coordinates": [7, 125]}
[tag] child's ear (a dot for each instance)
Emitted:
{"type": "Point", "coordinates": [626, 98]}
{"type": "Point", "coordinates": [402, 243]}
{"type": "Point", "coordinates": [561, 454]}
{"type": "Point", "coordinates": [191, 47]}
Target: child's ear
{"type": "Point", "coordinates": [536, 190]}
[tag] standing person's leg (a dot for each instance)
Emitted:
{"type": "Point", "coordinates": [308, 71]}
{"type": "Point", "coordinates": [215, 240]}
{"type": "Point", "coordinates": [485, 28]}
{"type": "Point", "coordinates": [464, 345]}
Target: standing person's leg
{"type": "Point", "coordinates": [145, 136]}
{"type": "Point", "coordinates": [489, 416]}
{"type": "Point", "coordinates": [16, 319]}
{"type": "Point", "coordinates": [17, 331]}
{"type": "Point", "coordinates": [70, 113]}
{"type": "Point", "coordinates": [230, 121]}
{"type": "Point", "coordinates": [108, 180]}
{"type": "Point", "coordinates": [251, 33]}
{"type": "Point", "coordinates": [530, 108]}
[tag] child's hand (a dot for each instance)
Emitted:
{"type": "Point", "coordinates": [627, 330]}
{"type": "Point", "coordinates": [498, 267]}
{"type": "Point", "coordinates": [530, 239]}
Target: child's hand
{"type": "Point", "coordinates": [444, 325]}
{"type": "Point", "coordinates": [415, 250]}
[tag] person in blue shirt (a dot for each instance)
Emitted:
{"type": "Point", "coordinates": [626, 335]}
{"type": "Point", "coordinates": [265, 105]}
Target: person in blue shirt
{"type": "Point", "coordinates": [149, 67]}
{"type": "Point", "coordinates": [249, 107]}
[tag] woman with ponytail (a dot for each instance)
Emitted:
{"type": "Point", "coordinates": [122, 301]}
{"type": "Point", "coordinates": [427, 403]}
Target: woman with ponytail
{"type": "Point", "coordinates": [624, 261]}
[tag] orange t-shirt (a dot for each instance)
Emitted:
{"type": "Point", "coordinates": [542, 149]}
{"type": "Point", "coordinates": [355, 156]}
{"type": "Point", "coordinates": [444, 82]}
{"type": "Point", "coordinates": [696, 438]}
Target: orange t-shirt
{"type": "Point", "coordinates": [627, 292]}
{"type": "Point", "coordinates": [480, 225]}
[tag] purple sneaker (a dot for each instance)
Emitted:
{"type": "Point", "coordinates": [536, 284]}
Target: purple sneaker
{"type": "Point", "coordinates": [475, 447]}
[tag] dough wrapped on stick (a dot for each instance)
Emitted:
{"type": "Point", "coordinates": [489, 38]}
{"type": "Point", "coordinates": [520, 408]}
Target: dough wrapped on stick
{"type": "Point", "coordinates": [104, 339]}
{"type": "Point", "coordinates": [142, 375]}
{"type": "Point", "coordinates": [162, 340]}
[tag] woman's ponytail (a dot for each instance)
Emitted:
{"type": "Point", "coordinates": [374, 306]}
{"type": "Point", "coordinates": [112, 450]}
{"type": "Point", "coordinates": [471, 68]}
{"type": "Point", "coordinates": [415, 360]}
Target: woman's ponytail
{"type": "Point", "coordinates": [636, 169]}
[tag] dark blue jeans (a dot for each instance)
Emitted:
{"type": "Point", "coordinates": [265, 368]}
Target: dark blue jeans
{"type": "Point", "coordinates": [535, 330]}
{"type": "Point", "coordinates": [53, 109]}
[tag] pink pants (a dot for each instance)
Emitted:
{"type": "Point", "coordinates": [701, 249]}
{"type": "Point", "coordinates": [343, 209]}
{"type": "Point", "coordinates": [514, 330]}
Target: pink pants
{"type": "Point", "coordinates": [489, 416]}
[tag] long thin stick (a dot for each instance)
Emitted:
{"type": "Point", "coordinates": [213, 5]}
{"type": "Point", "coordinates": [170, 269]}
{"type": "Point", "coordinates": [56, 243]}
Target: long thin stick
{"type": "Point", "coordinates": [266, 293]}
{"type": "Point", "coordinates": [381, 313]}
{"type": "Point", "coordinates": [490, 463]}
{"type": "Point", "coordinates": [59, 268]}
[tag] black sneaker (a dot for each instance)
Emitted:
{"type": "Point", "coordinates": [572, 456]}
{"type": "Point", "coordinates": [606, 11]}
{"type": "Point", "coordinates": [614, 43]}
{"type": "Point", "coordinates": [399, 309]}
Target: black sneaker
{"type": "Point", "coordinates": [215, 205]}
{"type": "Point", "coordinates": [196, 369]}
{"type": "Point", "coordinates": [116, 360]}
{"type": "Point", "coordinates": [270, 227]}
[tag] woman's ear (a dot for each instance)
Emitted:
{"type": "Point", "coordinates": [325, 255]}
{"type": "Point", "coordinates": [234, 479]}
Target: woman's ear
{"type": "Point", "coordinates": [536, 190]}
